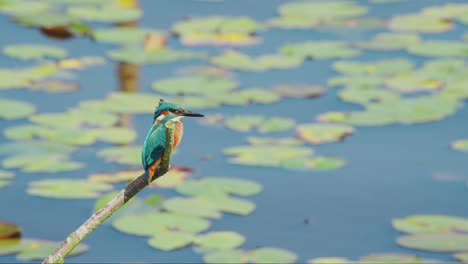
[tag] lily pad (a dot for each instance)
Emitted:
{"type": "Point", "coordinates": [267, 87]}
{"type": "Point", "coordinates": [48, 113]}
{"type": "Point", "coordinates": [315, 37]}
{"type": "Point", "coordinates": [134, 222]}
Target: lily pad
{"type": "Point", "coordinates": [14, 109]}
{"type": "Point", "coordinates": [173, 178]}
{"type": "Point", "coordinates": [460, 145]}
{"type": "Point", "coordinates": [326, 163]}
{"type": "Point", "coordinates": [412, 82]}
{"type": "Point", "coordinates": [220, 240]}
{"type": "Point", "coordinates": [217, 24]}
{"type": "Point", "coordinates": [259, 95]}
{"type": "Point", "coordinates": [272, 255]}
{"type": "Point", "coordinates": [42, 163]}
{"type": "Point", "coordinates": [319, 50]}
{"type": "Point", "coordinates": [171, 240]}
{"type": "Point", "coordinates": [383, 67]}
{"type": "Point", "coordinates": [216, 38]}
{"type": "Point", "coordinates": [323, 133]}
{"type": "Point", "coordinates": [391, 258]}
{"type": "Point", "coordinates": [430, 224]}
{"type": "Point", "coordinates": [162, 55]}
{"type": "Point", "coordinates": [390, 41]}
{"type": "Point", "coordinates": [32, 249]}
{"type": "Point", "coordinates": [329, 260]}
{"type": "Point", "coordinates": [419, 22]}
{"type": "Point", "coordinates": [195, 206]}
{"type": "Point", "coordinates": [5, 177]}
{"type": "Point", "coordinates": [219, 186]}
{"type": "Point", "coordinates": [366, 96]}
{"type": "Point", "coordinates": [67, 189]}
{"type": "Point", "coordinates": [440, 48]}
{"type": "Point", "coordinates": [150, 224]}
{"type": "Point", "coordinates": [34, 51]}
{"type": "Point", "coordinates": [244, 123]}
{"type": "Point", "coordinates": [9, 231]}
{"type": "Point", "coordinates": [303, 91]}
{"type": "Point", "coordinates": [104, 13]}
{"type": "Point", "coordinates": [127, 155]}
{"type": "Point", "coordinates": [239, 61]}
{"type": "Point", "coordinates": [225, 256]}
{"type": "Point", "coordinates": [124, 36]}
{"type": "Point", "coordinates": [462, 257]}
{"type": "Point", "coordinates": [437, 242]}
{"type": "Point", "coordinates": [121, 176]}
{"type": "Point", "coordinates": [199, 85]}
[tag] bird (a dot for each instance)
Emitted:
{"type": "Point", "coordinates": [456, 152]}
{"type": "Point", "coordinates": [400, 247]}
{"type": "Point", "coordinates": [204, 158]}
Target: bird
{"type": "Point", "coordinates": [155, 141]}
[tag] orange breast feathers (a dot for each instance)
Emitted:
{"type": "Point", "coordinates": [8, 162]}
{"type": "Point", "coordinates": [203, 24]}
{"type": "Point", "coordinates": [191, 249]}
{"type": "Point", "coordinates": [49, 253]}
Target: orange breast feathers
{"type": "Point", "coordinates": [178, 133]}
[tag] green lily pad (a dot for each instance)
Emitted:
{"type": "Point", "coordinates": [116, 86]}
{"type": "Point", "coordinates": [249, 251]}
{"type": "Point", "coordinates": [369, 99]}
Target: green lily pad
{"type": "Point", "coordinates": [9, 231]}
{"type": "Point", "coordinates": [437, 242]}
{"type": "Point", "coordinates": [124, 103]}
{"type": "Point", "coordinates": [419, 22]}
{"type": "Point", "coordinates": [329, 260]}
{"type": "Point", "coordinates": [412, 82]}
{"type": "Point", "coordinates": [239, 61]}
{"type": "Point", "coordinates": [276, 124]}
{"type": "Point", "coordinates": [67, 189]}
{"type": "Point", "coordinates": [219, 186]}
{"type": "Point", "coordinates": [461, 257]}
{"type": "Point", "coordinates": [319, 50]}
{"type": "Point", "coordinates": [199, 85]}
{"type": "Point", "coordinates": [220, 240]}
{"type": "Point", "coordinates": [323, 133]}
{"type": "Point", "coordinates": [14, 109]}
{"type": "Point", "coordinates": [34, 51]}
{"type": "Point", "coordinates": [115, 135]}
{"type": "Point", "coordinates": [171, 240]}
{"type": "Point", "coordinates": [430, 223]}
{"type": "Point", "coordinates": [272, 255]}
{"type": "Point", "coordinates": [244, 123]}
{"type": "Point", "coordinates": [357, 81]}
{"type": "Point", "coordinates": [225, 256]}
{"type": "Point", "coordinates": [391, 258]}
{"type": "Point", "coordinates": [217, 24]}
{"type": "Point", "coordinates": [23, 7]}
{"type": "Point", "coordinates": [366, 96]}
{"type": "Point", "coordinates": [105, 13]}
{"type": "Point", "coordinates": [124, 36]}
{"type": "Point", "coordinates": [460, 145]}
{"type": "Point", "coordinates": [440, 48]}
{"type": "Point", "coordinates": [308, 14]}
{"type": "Point", "coordinates": [195, 206]}
{"type": "Point", "coordinates": [445, 69]}
{"type": "Point", "coordinates": [304, 91]}
{"type": "Point", "coordinates": [5, 177]}
{"type": "Point", "coordinates": [259, 95]}
{"type": "Point", "coordinates": [163, 55]}
{"type": "Point", "coordinates": [232, 205]}
{"type": "Point", "coordinates": [390, 41]}
{"type": "Point", "coordinates": [384, 67]}
{"type": "Point", "coordinates": [326, 163]}
{"type": "Point", "coordinates": [46, 18]}
{"type": "Point", "coordinates": [217, 38]}
{"type": "Point", "coordinates": [266, 155]}
{"type": "Point", "coordinates": [33, 249]}
{"type": "Point", "coordinates": [127, 155]}
{"type": "Point", "coordinates": [42, 163]}
{"type": "Point", "coordinates": [150, 224]}
{"type": "Point", "coordinates": [286, 141]}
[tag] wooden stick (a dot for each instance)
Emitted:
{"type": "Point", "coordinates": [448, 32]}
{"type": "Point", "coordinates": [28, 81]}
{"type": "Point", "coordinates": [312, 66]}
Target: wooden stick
{"type": "Point", "coordinates": [115, 204]}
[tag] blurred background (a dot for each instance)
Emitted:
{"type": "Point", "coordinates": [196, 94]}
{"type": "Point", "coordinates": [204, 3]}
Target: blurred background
{"type": "Point", "coordinates": [334, 131]}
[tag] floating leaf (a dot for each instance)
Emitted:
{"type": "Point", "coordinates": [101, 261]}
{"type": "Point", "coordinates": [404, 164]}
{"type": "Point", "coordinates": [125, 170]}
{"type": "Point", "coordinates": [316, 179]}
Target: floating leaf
{"type": "Point", "coordinates": [244, 123]}
{"type": "Point", "coordinates": [391, 258]}
{"type": "Point", "coordinates": [323, 133]}
{"type": "Point", "coordinates": [13, 109]}
{"type": "Point", "coordinates": [329, 260]}
{"type": "Point", "coordinates": [196, 206]}
{"type": "Point", "coordinates": [357, 81]}
{"type": "Point", "coordinates": [173, 178]}
{"type": "Point", "coordinates": [462, 257]}
{"type": "Point", "coordinates": [233, 205]}
{"type": "Point", "coordinates": [276, 124]}
{"type": "Point", "coordinates": [127, 155]}
{"type": "Point", "coordinates": [9, 231]}
{"type": "Point", "coordinates": [368, 95]}
{"type": "Point", "coordinates": [149, 224]}
{"type": "Point", "coordinates": [384, 67]}
{"type": "Point", "coordinates": [390, 41]}
{"type": "Point", "coordinates": [272, 255]}
{"type": "Point", "coordinates": [105, 13]}
{"type": "Point", "coordinates": [437, 242]}
{"type": "Point", "coordinates": [32, 249]}
{"type": "Point", "coordinates": [124, 36]}
{"type": "Point", "coordinates": [201, 85]}
{"type": "Point", "coordinates": [440, 48]}
{"type": "Point", "coordinates": [430, 223]}
{"type": "Point", "coordinates": [219, 186]}
{"type": "Point", "coordinates": [216, 38]}
{"type": "Point", "coordinates": [163, 55]}
{"type": "Point", "coordinates": [327, 163]}
{"type": "Point", "coordinates": [259, 95]}
{"type": "Point", "coordinates": [220, 240]}
{"type": "Point", "coordinates": [225, 256]}
{"type": "Point", "coordinates": [67, 189]}
{"type": "Point", "coordinates": [217, 24]}
{"type": "Point", "coordinates": [419, 23]}
{"type": "Point", "coordinates": [461, 145]}
{"type": "Point", "coordinates": [171, 240]}
{"type": "Point", "coordinates": [319, 50]}
{"type": "Point", "coordinates": [34, 51]}
{"type": "Point", "coordinates": [239, 61]}
{"type": "Point", "coordinates": [5, 177]}
{"type": "Point", "coordinates": [412, 82]}
{"type": "Point", "coordinates": [305, 91]}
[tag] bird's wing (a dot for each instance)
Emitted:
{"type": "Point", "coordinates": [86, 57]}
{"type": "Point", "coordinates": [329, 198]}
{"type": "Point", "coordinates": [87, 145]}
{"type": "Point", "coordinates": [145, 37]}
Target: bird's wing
{"type": "Point", "coordinates": [154, 145]}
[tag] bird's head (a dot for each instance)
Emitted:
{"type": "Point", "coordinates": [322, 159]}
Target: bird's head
{"type": "Point", "coordinates": [166, 108]}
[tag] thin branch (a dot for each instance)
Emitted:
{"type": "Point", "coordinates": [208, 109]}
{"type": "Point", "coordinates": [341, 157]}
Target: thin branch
{"type": "Point", "coordinates": [115, 204]}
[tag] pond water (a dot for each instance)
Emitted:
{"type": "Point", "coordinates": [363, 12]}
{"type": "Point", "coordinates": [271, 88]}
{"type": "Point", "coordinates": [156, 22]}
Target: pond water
{"type": "Point", "coordinates": [345, 212]}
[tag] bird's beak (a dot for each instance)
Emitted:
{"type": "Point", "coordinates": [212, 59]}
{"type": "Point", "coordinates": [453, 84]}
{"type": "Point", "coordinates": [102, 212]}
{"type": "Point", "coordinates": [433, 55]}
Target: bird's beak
{"type": "Point", "coordinates": [189, 113]}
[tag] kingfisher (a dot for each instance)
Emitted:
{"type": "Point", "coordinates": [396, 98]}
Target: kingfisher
{"type": "Point", "coordinates": [155, 141]}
